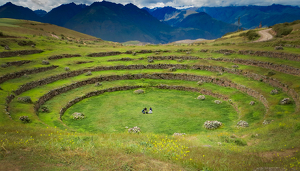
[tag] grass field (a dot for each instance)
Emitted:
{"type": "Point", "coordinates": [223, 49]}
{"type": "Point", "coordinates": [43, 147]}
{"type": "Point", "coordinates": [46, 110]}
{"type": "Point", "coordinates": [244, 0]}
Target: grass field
{"type": "Point", "coordinates": [101, 141]}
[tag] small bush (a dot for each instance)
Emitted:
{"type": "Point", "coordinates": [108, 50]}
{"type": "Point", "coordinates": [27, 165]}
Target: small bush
{"type": "Point", "coordinates": [251, 35]}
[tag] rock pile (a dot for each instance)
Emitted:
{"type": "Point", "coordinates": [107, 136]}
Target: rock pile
{"type": "Point", "coordinates": [242, 124]}
{"type": "Point", "coordinates": [212, 124]}
{"type": "Point", "coordinates": [45, 62]}
{"type": "Point", "coordinates": [252, 103]}
{"type": "Point", "coordinates": [25, 99]}
{"type": "Point", "coordinates": [217, 101]}
{"type": "Point", "coordinates": [285, 101]}
{"type": "Point", "coordinates": [275, 91]}
{"type": "Point", "coordinates": [139, 91]}
{"type": "Point", "coordinates": [78, 116]}
{"type": "Point", "coordinates": [201, 97]}
{"type": "Point", "coordinates": [134, 130]}
{"type": "Point", "coordinates": [24, 119]}
{"type": "Point", "coordinates": [179, 134]}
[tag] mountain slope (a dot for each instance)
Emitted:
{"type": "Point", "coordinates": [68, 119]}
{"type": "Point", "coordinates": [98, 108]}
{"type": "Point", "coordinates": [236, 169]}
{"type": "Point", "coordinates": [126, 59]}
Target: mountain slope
{"type": "Point", "coordinates": [62, 14]}
{"type": "Point", "coordinates": [251, 16]}
{"type": "Point", "coordinates": [10, 10]}
{"type": "Point", "coordinates": [205, 22]}
{"type": "Point", "coordinates": [116, 22]}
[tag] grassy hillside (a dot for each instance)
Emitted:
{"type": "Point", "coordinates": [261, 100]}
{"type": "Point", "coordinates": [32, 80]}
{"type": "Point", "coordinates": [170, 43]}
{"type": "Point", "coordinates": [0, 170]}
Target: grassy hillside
{"type": "Point", "coordinates": [101, 86]}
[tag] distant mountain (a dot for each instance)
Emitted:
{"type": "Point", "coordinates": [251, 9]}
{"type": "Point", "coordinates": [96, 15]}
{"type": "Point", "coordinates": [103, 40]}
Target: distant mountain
{"type": "Point", "coordinates": [169, 15]}
{"type": "Point", "coordinates": [10, 10]}
{"type": "Point", "coordinates": [205, 22]}
{"type": "Point", "coordinates": [116, 22]}
{"type": "Point", "coordinates": [251, 16]}
{"type": "Point", "coordinates": [62, 14]}
{"type": "Point", "coordinates": [40, 13]}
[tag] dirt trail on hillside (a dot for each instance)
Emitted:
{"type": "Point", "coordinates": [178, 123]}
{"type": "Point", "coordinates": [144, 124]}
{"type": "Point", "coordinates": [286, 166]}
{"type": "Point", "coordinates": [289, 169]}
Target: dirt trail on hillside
{"type": "Point", "coordinates": [264, 35]}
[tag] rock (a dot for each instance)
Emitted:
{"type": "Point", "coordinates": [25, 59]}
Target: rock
{"type": "Point", "coordinates": [200, 82]}
{"type": "Point", "coordinates": [4, 65]}
{"type": "Point", "coordinates": [6, 47]}
{"type": "Point", "coordinates": [179, 60]}
{"type": "Point", "coordinates": [172, 69]}
{"type": "Point", "coordinates": [156, 53]}
{"type": "Point", "coordinates": [285, 101]}
{"type": "Point", "coordinates": [134, 130]}
{"type": "Point", "coordinates": [242, 124]}
{"type": "Point", "coordinates": [179, 134]}
{"type": "Point", "coordinates": [252, 103]}
{"type": "Point", "coordinates": [139, 91]}
{"type": "Point", "coordinates": [278, 48]}
{"type": "Point", "coordinates": [235, 66]}
{"type": "Point", "coordinates": [219, 143]}
{"type": "Point", "coordinates": [45, 109]}
{"type": "Point", "coordinates": [217, 101]}
{"type": "Point", "coordinates": [67, 69]}
{"type": "Point", "coordinates": [78, 116]}
{"type": "Point", "coordinates": [227, 53]}
{"type": "Point", "coordinates": [25, 99]}
{"type": "Point", "coordinates": [97, 84]}
{"type": "Point", "coordinates": [230, 101]}
{"type": "Point", "coordinates": [275, 91]}
{"type": "Point", "coordinates": [24, 119]}
{"type": "Point", "coordinates": [45, 62]}
{"type": "Point", "coordinates": [271, 73]}
{"type": "Point", "coordinates": [266, 122]}
{"type": "Point", "coordinates": [150, 60]}
{"type": "Point", "coordinates": [212, 124]}
{"type": "Point", "coordinates": [201, 97]}
{"type": "Point", "coordinates": [33, 46]}
{"type": "Point", "coordinates": [204, 50]}
{"type": "Point", "coordinates": [134, 53]}
{"type": "Point", "coordinates": [88, 73]}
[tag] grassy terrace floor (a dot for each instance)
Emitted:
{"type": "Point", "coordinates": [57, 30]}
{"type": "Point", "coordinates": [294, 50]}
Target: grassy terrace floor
{"type": "Point", "coordinates": [101, 142]}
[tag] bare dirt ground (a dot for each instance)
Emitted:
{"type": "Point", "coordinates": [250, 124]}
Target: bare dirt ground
{"type": "Point", "coordinates": [264, 35]}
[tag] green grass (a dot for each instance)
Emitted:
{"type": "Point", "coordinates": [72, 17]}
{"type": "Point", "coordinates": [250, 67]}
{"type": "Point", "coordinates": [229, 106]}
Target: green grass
{"type": "Point", "coordinates": [174, 111]}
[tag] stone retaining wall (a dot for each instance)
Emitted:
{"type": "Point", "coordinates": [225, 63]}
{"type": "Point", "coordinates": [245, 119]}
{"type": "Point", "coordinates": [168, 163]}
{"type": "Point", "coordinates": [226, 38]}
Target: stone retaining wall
{"type": "Point", "coordinates": [18, 53]}
{"type": "Point", "coordinates": [280, 55]}
{"type": "Point", "coordinates": [21, 73]}
{"type": "Point", "coordinates": [269, 80]}
{"type": "Point", "coordinates": [63, 56]}
{"type": "Point", "coordinates": [166, 76]}
{"type": "Point", "coordinates": [113, 53]}
{"type": "Point", "coordinates": [96, 93]}
{"type": "Point", "coordinates": [17, 63]}
{"type": "Point", "coordinates": [277, 67]}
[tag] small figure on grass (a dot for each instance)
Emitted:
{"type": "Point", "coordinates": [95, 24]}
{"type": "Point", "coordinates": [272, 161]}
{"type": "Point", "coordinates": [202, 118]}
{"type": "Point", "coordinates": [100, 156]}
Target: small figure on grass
{"type": "Point", "coordinates": [150, 111]}
{"type": "Point", "coordinates": [145, 111]}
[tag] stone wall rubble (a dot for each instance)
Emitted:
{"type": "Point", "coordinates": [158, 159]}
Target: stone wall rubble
{"type": "Point", "coordinates": [277, 67]}
{"type": "Point", "coordinates": [18, 53]}
{"type": "Point", "coordinates": [63, 56]}
{"type": "Point", "coordinates": [17, 63]}
{"type": "Point", "coordinates": [22, 73]}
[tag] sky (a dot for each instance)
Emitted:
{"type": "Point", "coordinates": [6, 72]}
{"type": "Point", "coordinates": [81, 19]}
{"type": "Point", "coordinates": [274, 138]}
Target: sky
{"type": "Point", "coordinates": [47, 5]}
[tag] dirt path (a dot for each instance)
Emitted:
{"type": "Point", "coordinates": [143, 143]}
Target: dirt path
{"type": "Point", "coordinates": [264, 35]}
